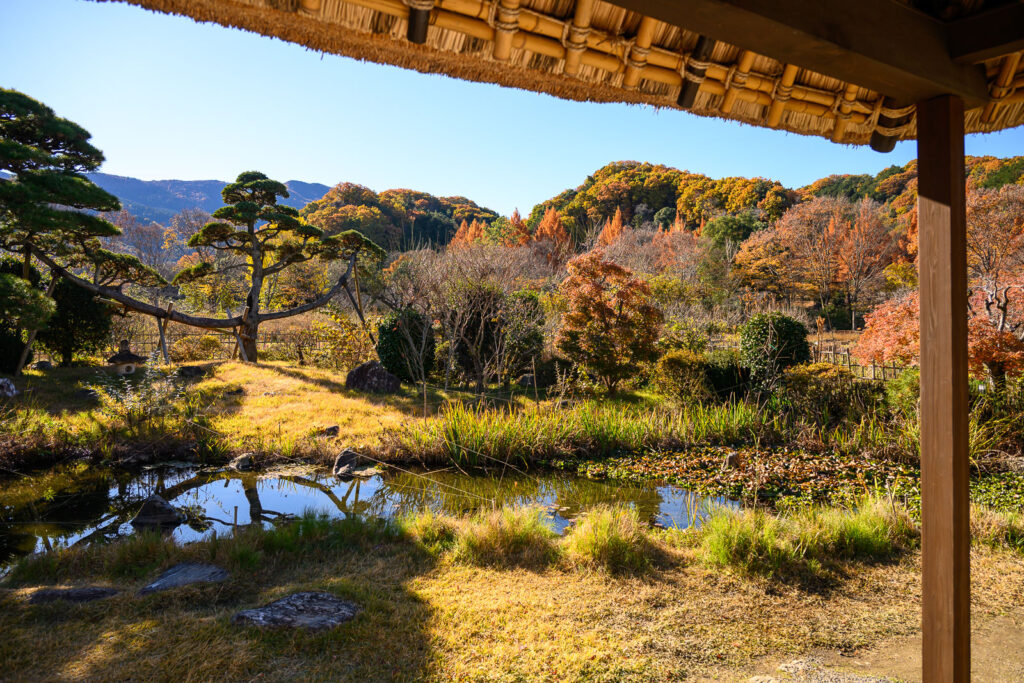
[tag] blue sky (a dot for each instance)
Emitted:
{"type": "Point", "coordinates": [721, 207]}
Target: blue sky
{"type": "Point", "coordinates": [165, 97]}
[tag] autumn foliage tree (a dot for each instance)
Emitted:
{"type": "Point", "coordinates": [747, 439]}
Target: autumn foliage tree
{"type": "Point", "coordinates": [892, 333]}
{"type": "Point", "coordinates": [612, 230]}
{"type": "Point", "coordinates": [551, 239]}
{"type": "Point", "coordinates": [610, 325]}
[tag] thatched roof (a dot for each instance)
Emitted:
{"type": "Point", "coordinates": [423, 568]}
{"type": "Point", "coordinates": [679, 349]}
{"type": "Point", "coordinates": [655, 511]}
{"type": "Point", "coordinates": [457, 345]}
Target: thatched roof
{"type": "Point", "coordinates": [591, 50]}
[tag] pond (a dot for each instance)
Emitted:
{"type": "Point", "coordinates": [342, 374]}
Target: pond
{"type": "Point", "coordinates": [80, 504]}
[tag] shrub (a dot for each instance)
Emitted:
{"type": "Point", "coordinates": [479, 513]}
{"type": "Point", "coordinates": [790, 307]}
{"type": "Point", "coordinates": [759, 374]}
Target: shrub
{"type": "Point", "coordinates": [682, 376]}
{"type": "Point", "coordinates": [770, 343]}
{"type": "Point", "coordinates": [726, 375]}
{"type": "Point", "coordinates": [195, 348]}
{"type": "Point", "coordinates": [826, 393]}
{"type": "Point", "coordinates": [405, 345]}
{"type": "Point", "coordinates": [81, 322]}
{"type": "Point", "coordinates": [683, 335]}
{"type": "Point", "coordinates": [609, 538]}
{"type": "Point", "coordinates": [507, 537]}
{"type": "Point", "coordinates": [903, 393]}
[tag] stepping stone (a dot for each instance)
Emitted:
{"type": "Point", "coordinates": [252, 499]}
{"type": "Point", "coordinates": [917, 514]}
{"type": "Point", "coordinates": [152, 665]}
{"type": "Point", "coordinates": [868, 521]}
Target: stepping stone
{"type": "Point", "coordinates": [184, 574]}
{"type": "Point", "coordinates": [312, 611]}
{"type": "Point", "coordinates": [81, 594]}
{"type": "Point", "coordinates": [157, 512]}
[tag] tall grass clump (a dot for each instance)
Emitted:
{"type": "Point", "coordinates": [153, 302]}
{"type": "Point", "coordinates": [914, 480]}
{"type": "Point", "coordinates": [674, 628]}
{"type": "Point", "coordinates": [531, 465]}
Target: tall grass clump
{"type": "Point", "coordinates": [482, 436]}
{"type": "Point", "coordinates": [807, 540]}
{"type": "Point", "coordinates": [505, 538]}
{"type": "Point", "coordinates": [997, 528]}
{"type": "Point", "coordinates": [609, 538]}
{"type": "Point", "coordinates": [433, 531]}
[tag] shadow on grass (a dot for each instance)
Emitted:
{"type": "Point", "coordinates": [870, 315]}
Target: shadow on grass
{"type": "Point", "coordinates": [187, 633]}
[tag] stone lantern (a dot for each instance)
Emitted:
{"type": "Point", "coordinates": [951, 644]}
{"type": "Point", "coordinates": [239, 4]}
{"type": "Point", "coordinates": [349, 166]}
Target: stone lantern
{"type": "Point", "coordinates": [124, 361]}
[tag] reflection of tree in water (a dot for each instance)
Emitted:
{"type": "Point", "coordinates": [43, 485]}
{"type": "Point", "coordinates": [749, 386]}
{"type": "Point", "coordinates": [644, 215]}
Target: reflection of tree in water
{"type": "Point", "coordinates": [54, 509]}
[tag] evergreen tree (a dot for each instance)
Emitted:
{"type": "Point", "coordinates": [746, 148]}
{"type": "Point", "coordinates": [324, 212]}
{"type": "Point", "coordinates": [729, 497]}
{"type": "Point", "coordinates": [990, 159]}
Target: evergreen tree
{"type": "Point", "coordinates": [81, 323]}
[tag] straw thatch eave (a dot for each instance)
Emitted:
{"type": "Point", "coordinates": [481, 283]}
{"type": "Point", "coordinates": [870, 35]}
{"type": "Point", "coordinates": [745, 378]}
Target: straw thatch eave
{"type": "Point", "coordinates": [590, 50]}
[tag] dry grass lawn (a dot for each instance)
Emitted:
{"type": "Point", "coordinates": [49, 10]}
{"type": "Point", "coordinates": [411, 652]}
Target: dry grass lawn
{"type": "Point", "coordinates": [430, 618]}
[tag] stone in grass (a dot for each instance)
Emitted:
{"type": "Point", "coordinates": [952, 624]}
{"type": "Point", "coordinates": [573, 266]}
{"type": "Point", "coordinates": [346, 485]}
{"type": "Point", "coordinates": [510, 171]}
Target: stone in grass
{"type": "Point", "coordinates": [79, 594]}
{"type": "Point", "coordinates": [185, 574]}
{"type": "Point", "coordinates": [372, 377]}
{"type": "Point", "coordinates": [157, 512]}
{"type": "Point", "coordinates": [313, 611]}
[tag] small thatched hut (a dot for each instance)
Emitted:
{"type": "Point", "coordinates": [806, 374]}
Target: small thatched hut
{"type": "Point", "coordinates": [856, 72]}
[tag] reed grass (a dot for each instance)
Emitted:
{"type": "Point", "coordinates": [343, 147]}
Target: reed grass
{"type": "Point", "coordinates": [509, 537]}
{"type": "Point", "coordinates": [483, 436]}
{"type": "Point", "coordinates": [805, 541]}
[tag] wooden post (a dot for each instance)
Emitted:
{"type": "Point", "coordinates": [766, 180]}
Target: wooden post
{"type": "Point", "coordinates": [945, 530]}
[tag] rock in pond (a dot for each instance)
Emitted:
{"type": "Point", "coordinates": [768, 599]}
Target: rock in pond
{"type": "Point", "coordinates": [185, 574]}
{"type": "Point", "coordinates": [313, 611]}
{"type": "Point", "coordinates": [732, 461]}
{"type": "Point", "coordinates": [242, 463]}
{"type": "Point", "coordinates": [349, 463]}
{"type": "Point", "coordinates": [79, 594]}
{"type": "Point", "coordinates": [158, 512]}
{"type": "Point", "coordinates": [371, 376]}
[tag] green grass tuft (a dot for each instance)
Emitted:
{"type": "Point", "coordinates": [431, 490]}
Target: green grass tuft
{"type": "Point", "coordinates": [511, 537]}
{"type": "Point", "coordinates": [610, 538]}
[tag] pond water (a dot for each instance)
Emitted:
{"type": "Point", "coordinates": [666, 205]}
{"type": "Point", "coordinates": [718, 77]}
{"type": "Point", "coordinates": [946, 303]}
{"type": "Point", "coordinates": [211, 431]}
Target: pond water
{"type": "Point", "coordinates": [81, 504]}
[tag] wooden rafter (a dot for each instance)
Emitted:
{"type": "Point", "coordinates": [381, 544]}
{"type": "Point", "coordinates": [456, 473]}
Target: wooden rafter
{"type": "Point", "coordinates": [983, 36]}
{"type": "Point", "coordinates": [886, 46]}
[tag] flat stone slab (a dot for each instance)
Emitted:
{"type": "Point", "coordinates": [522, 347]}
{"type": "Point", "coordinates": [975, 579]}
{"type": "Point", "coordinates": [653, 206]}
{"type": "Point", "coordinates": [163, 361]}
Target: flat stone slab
{"type": "Point", "coordinates": [80, 594]}
{"type": "Point", "coordinates": [185, 574]}
{"type": "Point", "coordinates": [312, 611]}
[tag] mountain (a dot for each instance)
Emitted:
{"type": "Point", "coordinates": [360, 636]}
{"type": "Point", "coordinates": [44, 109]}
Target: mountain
{"type": "Point", "coordinates": [158, 200]}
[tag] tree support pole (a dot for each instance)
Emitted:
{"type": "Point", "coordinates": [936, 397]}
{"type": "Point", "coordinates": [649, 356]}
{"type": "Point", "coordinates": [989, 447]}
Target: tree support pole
{"type": "Point", "coordinates": [945, 527]}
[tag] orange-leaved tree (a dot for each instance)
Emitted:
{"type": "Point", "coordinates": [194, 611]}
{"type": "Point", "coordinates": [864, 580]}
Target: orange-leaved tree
{"type": "Point", "coordinates": [610, 324]}
{"type": "Point", "coordinates": [892, 334]}
{"type": "Point", "coordinates": [551, 238]}
{"type": "Point", "coordinates": [612, 230]}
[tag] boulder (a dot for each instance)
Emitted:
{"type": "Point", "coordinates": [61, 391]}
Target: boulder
{"type": "Point", "coordinates": [80, 594]}
{"type": "Point", "coordinates": [331, 431]}
{"type": "Point", "coordinates": [243, 463]}
{"type": "Point", "coordinates": [185, 574]}
{"type": "Point", "coordinates": [43, 365]}
{"type": "Point", "coordinates": [372, 377]}
{"type": "Point", "coordinates": [191, 371]}
{"type": "Point", "coordinates": [7, 388]}
{"type": "Point", "coordinates": [526, 381]}
{"type": "Point", "coordinates": [346, 462]}
{"type": "Point", "coordinates": [156, 511]}
{"type": "Point", "coordinates": [238, 391]}
{"type": "Point", "coordinates": [87, 394]}
{"type": "Point", "coordinates": [312, 611]}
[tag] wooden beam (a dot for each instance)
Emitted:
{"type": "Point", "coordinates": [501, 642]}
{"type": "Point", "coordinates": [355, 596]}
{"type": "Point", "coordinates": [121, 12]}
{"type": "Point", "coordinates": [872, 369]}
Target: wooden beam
{"type": "Point", "coordinates": [982, 36]}
{"type": "Point", "coordinates": [696, 69]}
{"type": "Point", "coordinates": [942, 259]}
{"type": "Point", "coordinates": [886, 46]}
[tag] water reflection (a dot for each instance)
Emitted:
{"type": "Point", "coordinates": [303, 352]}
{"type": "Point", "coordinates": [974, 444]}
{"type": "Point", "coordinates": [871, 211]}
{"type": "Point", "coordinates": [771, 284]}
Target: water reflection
{"type": "Point", "coordinates": [80, 505]}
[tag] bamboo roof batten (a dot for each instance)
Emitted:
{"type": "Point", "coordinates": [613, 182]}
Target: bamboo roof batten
{"type": "Point", "coordinates": [737, 79]}
{"type": "Point", "coordinates": [593, 50]}
{"type": "Point", "coordinates": [506, 23]}
{"type": "Point", "coordinates": [1003, 85]}
{"type": "Point", "coordinates": [695, 69]}
{"type": "Point", "coordinates": [575, 36]}
{"type": "Point", "coordinates": [636, 61]}
{"type": "Point", "coordinates": [842, 111]}
{"type": "Point", "coordinates": [783, 91]}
